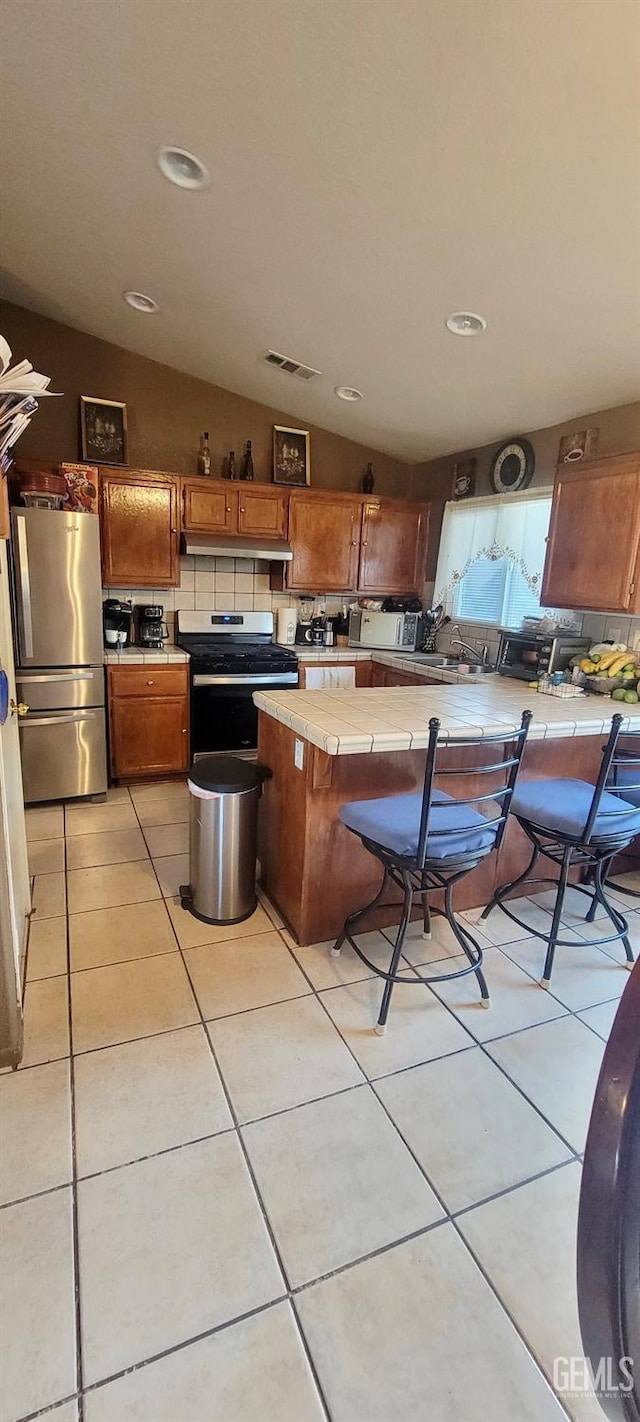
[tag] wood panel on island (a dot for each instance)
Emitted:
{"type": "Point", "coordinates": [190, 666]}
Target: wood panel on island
{"type": "Point", "coordinates": [148, 720]}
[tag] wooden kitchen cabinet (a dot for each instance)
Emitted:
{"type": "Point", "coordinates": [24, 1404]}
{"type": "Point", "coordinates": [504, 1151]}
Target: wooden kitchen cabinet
{"type": "Point", "coordinates": [594, 534]}
{"type": "Point", "coordinates": [148, 720]}
{"type": "Point", "coordinates": [139, 529]}
{"type": "Point", "coordinates": [324, 532]}
{"type": "Point", "coordinates": [388, 676]}
{"type": "Point", "coordinates": [209, 507]}
{"type": "Point", "coordinates": [237, 509]}
{"type": "Point", "coordinates": [393, 547]}
{"type": "Point", "coordinates": [263, 512]}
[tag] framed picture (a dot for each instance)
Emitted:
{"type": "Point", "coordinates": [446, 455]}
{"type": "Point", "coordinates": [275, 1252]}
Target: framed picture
{"type": "Point", "coordinates": [103, 429]}
{"type": "Point", "coordinates": [464, 478]}
{"type": "Point", "coordinates": [291, 459]}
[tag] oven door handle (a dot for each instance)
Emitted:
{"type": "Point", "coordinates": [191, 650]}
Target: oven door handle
{"type": "Point", "coordinates": [288, 678]}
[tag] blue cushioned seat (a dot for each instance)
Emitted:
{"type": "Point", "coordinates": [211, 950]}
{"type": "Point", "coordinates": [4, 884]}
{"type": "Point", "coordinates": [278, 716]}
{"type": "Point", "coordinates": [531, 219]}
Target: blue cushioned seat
{"type": "Point", "coordinates": [563, 806]}
{"type": "Point", "coordinates": [394, 823]}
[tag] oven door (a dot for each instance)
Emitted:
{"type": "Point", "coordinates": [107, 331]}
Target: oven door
{"type": "Point", "coordinates": [223, 716]}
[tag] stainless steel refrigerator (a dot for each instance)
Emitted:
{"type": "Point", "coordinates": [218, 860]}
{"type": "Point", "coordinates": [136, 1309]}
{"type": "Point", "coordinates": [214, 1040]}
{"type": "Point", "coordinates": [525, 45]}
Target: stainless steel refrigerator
{"type": "Point", "coordinates": [59, 653]}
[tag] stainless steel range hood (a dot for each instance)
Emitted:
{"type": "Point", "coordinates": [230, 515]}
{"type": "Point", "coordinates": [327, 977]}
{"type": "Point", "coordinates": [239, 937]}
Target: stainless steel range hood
{"type": "Point", "coordinates": [271, 550]}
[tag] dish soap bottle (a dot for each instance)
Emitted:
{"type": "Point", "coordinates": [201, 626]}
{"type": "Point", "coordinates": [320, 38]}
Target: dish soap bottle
{"type": "Point", "coordinates": [204, 456]}
{"type": "Point", "coordinates": [246, 468]}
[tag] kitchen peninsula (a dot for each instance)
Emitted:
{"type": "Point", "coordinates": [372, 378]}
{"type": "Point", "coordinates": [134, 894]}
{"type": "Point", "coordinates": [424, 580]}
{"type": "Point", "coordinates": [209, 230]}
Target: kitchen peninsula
{"type": "Point", "coordinates": [328, 747]}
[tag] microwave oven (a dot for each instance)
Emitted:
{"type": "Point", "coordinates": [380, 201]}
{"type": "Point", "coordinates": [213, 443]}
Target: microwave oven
{"type": "Point", "coordinates": [527, 657]}
{"type": "Point", "coordinates": [384, 629]}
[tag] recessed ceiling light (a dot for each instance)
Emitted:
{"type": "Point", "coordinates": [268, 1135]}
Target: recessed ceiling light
{"type": "Point", "coordinates": [465, 323]}
{"type": "Point", "coordinates": [347, 392]}
{"type": "Point", "coordinates": [140, 302]}
{"type": "Point", "coordinates": [182, 168]}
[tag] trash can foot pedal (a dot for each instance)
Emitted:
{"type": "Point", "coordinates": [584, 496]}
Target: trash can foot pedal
{"type": "Point", "coordinates": [186, 896]}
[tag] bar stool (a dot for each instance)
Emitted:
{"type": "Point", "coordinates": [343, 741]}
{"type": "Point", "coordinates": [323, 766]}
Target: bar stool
{"type": "Point", "coordinates": [428, 841]}
{"type": "Point", "coordinates": [575, 824]}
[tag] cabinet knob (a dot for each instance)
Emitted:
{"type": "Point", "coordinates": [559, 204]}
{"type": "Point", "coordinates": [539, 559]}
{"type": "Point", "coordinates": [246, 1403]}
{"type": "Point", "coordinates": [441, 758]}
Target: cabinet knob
{"type": "Point", "coordinates": [184, 730]}
{"type": "Point", "coordinates": [241, 510]}
{"type": "Point", "coordinates": [151, 683]}
{"type": "Point", "coordinates": [364, 543]}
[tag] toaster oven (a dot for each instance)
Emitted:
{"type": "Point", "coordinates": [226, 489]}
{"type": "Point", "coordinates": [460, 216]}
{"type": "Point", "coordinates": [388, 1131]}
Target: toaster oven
{"type": "Point", "coordinates": [529, 656]}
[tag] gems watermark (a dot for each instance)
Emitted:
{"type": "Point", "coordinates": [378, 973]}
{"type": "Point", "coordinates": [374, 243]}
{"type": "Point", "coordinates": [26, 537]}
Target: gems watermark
{"type": "Point", "coordinates": [575, 1376]}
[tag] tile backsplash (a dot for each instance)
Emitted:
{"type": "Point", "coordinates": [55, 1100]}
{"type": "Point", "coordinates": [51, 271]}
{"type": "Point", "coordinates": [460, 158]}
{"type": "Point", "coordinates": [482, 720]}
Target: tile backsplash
{"type": "Point", "coordinates": [229, 584]}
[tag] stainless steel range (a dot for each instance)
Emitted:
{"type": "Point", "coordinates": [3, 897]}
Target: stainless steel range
{"type": "Point", "coordinates": [232, 655]}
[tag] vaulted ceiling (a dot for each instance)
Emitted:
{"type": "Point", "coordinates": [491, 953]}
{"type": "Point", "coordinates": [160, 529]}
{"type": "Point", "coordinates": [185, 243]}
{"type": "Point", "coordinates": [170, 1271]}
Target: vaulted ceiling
{"type": "Point", "coordinates": [375, 165]}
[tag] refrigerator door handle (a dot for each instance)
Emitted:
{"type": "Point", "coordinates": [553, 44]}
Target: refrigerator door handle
{"type": "Point", "coordinates": [54, 676]}
{"type": "Point", "coordinates": [62, 719]}
{"type": "Point", "coordinates": [25, 587]}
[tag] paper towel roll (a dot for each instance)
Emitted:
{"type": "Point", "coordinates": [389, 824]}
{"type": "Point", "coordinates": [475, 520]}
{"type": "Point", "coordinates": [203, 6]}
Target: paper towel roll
{"type": "Point", "coordinates": [287, 622]}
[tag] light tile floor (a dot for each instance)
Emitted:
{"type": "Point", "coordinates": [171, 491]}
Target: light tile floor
{"type": "Point", "coordinates": [223, 1197]}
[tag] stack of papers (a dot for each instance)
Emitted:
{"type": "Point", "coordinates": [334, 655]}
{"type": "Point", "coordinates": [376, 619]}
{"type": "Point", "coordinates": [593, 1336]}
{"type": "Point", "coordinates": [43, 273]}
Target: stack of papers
{"type": "Point", "coordinates": [19, 387]}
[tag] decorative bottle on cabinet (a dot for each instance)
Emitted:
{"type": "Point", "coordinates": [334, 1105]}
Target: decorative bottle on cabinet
{"type": "Point", "coordinates": [246, 468]}
{"type": "Point", "coordinates": [368, 481]}
{"type": "Point", "coordinates": [204, 455]}
{"type": "Point", "coordinates": [231, 465]}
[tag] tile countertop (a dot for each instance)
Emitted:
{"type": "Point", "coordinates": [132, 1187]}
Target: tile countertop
{"type": "Point", "coordinates": [133, 656]}
{"type": "Point", "coordinates": [397, 718]}
{"type": "Point", "coordinates": [400, 662]}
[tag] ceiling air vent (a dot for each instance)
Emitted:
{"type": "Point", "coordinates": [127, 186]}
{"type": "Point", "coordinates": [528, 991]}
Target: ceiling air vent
{"type": "Point", "coordinates": [291, 367]}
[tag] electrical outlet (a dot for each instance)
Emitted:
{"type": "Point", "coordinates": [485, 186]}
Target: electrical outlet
{"type": "Point", "coordinates": [298, 755]}
{"type": "Point", "coordinates": [614, 634]}
{"type": "Point", "coordinates": [636, 641]}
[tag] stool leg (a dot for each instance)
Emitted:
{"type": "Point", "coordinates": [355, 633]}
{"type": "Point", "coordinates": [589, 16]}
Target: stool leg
{"type": "Point", "coordinates": [618, 920]}
{"type": "Point", "coordinates": [557, 918]}
{"type": "Point", "coordinates": [485, 996]}
{"type": "Point", "coordinates": [340, 941]}
{"type": "Point", "coordinates": [505, 889]}
{"type": "Point", "coordinates": [426, 914]}
{"type": "Point", "coordinates": [381, 1025]}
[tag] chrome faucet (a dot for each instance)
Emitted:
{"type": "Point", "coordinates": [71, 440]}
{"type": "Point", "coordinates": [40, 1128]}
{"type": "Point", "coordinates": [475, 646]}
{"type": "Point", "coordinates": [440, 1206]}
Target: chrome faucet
{"type": "Point", "coordinates": [481, 657]}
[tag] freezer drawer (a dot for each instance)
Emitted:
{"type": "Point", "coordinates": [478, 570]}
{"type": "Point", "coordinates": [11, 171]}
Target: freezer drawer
{"type": "Point", "coordinates": [46, 690]}
{"type": "Point", "coordinates": [63, 754]}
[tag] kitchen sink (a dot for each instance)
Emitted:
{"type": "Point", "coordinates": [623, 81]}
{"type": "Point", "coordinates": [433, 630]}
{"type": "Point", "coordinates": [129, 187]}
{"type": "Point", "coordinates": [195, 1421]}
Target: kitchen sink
{"type": "Point", "coordinates": [434, 659]}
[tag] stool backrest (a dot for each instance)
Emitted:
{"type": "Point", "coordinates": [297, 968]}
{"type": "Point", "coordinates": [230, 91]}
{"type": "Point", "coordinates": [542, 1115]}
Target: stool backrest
{"type": "Point", "coordinates": [621, 753]}
{"type": "Point", "coordinates": [494, 804]}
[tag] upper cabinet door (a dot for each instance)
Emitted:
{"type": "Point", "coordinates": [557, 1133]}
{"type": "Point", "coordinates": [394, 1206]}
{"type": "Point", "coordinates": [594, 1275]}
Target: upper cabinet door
{"type": "Point", "coordinates": [592, 546]}
{"type": "Point", "coordinates": [262, 511]}
{"type": "Point", "coordinates": [324, 532]}
{"type": "Point", "coordinates": [392, 556]}
{"type": "Point", "coordinates": [209, 507]}
{"type": "Point", "coordinates": [139, 529]}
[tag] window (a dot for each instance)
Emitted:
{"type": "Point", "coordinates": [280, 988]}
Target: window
{"type": "Point", "coordinates": [491, 558]}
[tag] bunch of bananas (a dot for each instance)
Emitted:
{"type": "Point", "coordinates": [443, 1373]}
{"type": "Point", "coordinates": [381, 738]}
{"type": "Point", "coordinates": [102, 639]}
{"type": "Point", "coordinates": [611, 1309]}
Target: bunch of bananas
{"type": "Point", "coordinates": [610, 664]}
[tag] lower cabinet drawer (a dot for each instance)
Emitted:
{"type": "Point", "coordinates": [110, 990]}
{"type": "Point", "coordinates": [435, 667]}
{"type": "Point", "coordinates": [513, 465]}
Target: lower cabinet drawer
{"type": "Point", "coordinates": [149, 680]}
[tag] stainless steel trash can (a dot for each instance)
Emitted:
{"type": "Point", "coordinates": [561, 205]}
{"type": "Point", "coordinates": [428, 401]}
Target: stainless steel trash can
{"type": "Point", "coordinates": [223, 825]}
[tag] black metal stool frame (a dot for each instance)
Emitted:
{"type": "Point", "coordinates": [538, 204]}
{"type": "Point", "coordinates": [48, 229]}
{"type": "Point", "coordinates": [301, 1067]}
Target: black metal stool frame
{"type": "Point", "coordinates": [419, 877]}
{"type": "Point", "coordinates": [577, 851]}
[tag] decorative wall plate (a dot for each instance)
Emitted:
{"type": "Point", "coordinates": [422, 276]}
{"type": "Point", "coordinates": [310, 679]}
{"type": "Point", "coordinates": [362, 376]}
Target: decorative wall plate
{"type": "Point", "coordinates": [513, 466]}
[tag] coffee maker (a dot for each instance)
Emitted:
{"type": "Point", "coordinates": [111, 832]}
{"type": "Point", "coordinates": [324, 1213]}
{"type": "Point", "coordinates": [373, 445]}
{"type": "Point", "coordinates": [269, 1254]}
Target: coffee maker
{"type": "Point", "coordinates": [116, 621]}
{"type": "Point", "coordinates": [151, 630]}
